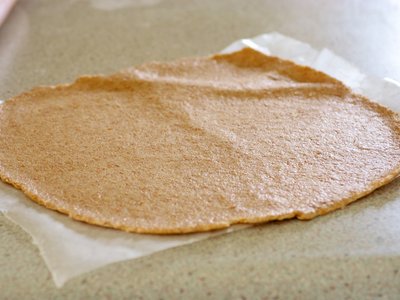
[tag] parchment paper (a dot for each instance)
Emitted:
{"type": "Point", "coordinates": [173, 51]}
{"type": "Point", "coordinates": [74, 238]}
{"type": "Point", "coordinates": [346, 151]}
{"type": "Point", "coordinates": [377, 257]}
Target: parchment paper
{"type": "Point", "coordinates": [71, 248]}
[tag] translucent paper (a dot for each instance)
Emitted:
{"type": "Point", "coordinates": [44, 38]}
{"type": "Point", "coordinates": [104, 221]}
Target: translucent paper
{"type": "Point", "coordinates": [71, 248]}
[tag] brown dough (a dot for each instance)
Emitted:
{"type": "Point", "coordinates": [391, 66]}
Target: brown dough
{"type": "Point", "coordinates": [198, 144]}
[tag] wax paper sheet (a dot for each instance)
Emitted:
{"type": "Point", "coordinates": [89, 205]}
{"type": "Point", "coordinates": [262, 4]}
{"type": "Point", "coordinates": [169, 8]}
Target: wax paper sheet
{"type": "Point", "coordinates": [71, 248]}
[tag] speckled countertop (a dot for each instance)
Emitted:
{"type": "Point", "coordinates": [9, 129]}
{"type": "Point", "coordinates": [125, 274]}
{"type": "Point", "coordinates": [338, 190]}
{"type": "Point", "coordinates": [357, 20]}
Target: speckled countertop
{"type": "Point", "coordinates": [352, 253]}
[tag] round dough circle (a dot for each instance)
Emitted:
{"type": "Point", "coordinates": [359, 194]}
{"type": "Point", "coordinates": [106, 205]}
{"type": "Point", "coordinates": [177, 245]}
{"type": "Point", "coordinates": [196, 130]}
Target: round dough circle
{"type": "Point", "coordinates": [198, 144]}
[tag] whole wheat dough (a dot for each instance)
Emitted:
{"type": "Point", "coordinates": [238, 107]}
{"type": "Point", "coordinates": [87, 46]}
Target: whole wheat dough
{"type": "Point", "coordinates": [198, 144]}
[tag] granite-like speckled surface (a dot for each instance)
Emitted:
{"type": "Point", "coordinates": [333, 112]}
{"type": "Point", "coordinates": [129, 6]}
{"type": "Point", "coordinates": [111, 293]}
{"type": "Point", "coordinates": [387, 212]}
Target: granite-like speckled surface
{"type": "Point", "coordinates": [353, 253]}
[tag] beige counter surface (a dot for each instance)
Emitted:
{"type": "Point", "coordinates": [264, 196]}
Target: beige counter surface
{"type": "Point", "coordinates": [353, 253]}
